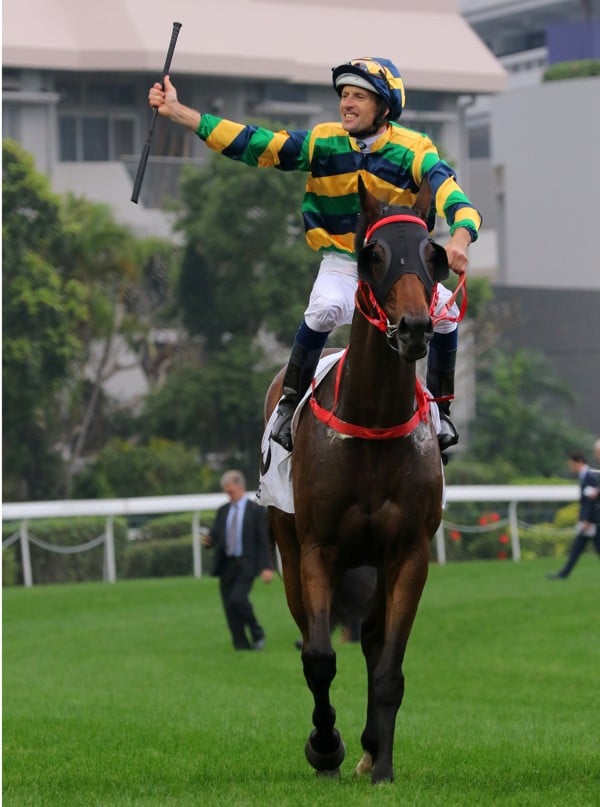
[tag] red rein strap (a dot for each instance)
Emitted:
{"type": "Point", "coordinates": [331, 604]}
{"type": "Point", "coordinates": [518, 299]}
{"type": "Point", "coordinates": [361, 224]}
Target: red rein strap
{"type": "Point", "coordinates": [444, 314]}
{"type": "Point", "coordinates": [364, 293]}
{"type": "Point", "coordinates": [351, 430]}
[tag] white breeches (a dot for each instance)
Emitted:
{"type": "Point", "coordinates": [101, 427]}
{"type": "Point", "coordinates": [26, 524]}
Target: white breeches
{"type": "Point", "coordinates": [331, 301]}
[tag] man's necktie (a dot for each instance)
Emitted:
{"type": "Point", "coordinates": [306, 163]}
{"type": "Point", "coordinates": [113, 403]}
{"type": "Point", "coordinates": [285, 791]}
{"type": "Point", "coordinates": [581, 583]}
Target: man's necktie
{"type": "Point", "coordinates": [231, 539]}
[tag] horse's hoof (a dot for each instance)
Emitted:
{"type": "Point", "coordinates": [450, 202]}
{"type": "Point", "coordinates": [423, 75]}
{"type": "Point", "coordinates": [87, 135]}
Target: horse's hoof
{"type": "Point", "coordinates": [325, 762]}
{"type": "Point", "coordinates": [365, 765]}
{"type": "Point", "coordinates": [381, 777]}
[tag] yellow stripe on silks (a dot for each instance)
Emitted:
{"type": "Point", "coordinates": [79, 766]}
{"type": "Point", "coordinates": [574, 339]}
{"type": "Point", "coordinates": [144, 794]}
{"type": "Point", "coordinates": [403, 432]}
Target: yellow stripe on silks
{"type": "Point", "coordinates": [318, 238]}
{"type": "Point", "coordinates": [421, 147]}
{"type": "Point", "coordinates": [445, 189]}
{"type": "Point", "coordinates": [387, 192]}
{"type": "Point", "coordinates": [397, 84]}
{"type": "Point", "coordinates": [270, 157]}
{"type": "Point", "coordinates": [345, 184]}
{"type": "Point", "coordinates": [223, 134]}
{"type": "Point", "coordinates": [468, 214]}
{"type": "Point", "coordinates": [335, 186]}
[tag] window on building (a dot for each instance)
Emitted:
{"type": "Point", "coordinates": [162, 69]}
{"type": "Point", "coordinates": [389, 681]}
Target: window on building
{"type": "Point", "coordinates": [95, 139]}
{"type": "Point", "coordinates": [94, 121]}
{"type": "Point", "coordinates": [479, 141]}
{"type": "Point", "coordinates": [11, 121]}
{"type": "Point", "coordinates": [67, 135]}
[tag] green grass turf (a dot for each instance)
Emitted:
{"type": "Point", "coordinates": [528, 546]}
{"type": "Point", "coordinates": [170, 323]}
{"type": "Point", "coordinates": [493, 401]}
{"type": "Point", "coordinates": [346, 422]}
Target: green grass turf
{"type": "Point", "coordinates": [130, 694]}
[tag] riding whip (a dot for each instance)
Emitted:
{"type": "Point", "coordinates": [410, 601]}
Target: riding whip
{"type": "Point", "coordinates": [141, 170]}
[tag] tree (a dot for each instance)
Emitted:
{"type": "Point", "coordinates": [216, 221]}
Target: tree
{"type": "Point", "coordinates": [246, 265]}
{"type": "Point", "coordinates": [521, 414]}
{"type": "Point", "coordinates": [78, 287]}
{"type": "Point", "coordinates": [43, 311]}
{"type": "Point", "coordinates": [245, 278]}
{"type": "Point", "coordinates": [119, 271]}
{"type": "Point", "coordinates": [158, 468]}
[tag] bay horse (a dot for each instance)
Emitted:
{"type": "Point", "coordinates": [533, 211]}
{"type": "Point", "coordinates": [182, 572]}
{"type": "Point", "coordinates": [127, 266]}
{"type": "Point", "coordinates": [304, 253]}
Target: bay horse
{"type": "Point", "coordinates": [367, 480]}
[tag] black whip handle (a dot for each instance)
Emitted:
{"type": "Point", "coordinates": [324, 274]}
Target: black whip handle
{"type": "Point", "coordinates": [141, 169]}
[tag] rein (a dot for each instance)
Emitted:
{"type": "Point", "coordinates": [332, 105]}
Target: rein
{"type": "Point", "coordinates": [444, 314]}
{"type": "Point", "coordinates": [364, 295]}
{"type": "Point", "coordinates": [365, 298]}
{"type": "Point", "coordinates": [351, 429]}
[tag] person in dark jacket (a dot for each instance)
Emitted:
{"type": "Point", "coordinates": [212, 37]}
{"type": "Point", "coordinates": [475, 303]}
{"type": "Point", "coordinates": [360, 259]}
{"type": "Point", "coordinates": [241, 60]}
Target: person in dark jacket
{"type": "Point", "coordinates": [239, 539]}
{"type": "Point", "coordinates": [589, 514]}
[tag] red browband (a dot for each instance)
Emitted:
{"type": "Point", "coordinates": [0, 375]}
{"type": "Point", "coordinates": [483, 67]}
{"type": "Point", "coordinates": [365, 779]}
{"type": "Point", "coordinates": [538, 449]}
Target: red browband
{"type": "Point", "coordinates": [405, 217]}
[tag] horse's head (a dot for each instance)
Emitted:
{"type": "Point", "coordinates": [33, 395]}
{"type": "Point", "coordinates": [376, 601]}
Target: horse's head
{"type": "Point", "coordinates": [400, 263]}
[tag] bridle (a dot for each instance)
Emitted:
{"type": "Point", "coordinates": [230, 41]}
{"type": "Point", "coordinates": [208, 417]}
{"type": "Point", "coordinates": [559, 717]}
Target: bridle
{"type": "Point", "coordinates": [366, 298]}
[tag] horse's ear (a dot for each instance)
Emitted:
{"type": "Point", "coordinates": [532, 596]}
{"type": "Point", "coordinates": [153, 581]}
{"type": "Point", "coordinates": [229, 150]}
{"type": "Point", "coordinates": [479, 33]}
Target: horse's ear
{"type": "Point", "coordinates": [370, 206]}
{"type": "Point", "coordinates": [423, 200]}
{"type": "Point", "coordinates": [436, 258]}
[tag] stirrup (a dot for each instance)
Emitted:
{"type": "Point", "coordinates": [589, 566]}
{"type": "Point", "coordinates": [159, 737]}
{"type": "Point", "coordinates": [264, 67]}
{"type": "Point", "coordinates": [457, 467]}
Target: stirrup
{"type": "Point", "coordinates": [281, 432]}
{"type": "Point", "coordinates": [448, 435]}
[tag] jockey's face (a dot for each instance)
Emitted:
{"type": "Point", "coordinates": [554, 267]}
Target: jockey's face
{"type": "Point", "coordinates": [358, 109]}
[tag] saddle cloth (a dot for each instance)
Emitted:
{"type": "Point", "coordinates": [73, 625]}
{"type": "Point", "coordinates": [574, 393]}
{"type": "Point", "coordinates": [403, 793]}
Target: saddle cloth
{"type": "Point", "coordinates": [275, 481]}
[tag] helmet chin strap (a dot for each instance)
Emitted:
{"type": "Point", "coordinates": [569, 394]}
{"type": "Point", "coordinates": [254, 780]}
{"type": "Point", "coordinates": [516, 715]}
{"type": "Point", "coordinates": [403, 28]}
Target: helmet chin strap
{"type": "Point", "coordinates": [377, 127]}
{"type": "Point", "coordinates": [379, 121]}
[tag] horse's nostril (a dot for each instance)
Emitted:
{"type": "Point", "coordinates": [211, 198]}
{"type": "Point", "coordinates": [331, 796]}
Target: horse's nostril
{"type": "Point", "coordinates": [415, 328]}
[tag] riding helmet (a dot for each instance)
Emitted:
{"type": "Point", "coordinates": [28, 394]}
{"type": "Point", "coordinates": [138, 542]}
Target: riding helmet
{"type": "Point", "coordinates": [377, 75]}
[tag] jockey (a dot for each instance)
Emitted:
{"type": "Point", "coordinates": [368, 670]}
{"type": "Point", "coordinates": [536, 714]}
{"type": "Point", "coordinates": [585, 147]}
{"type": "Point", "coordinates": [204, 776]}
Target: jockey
{"type": "Point", "coordinates": [393, 161]}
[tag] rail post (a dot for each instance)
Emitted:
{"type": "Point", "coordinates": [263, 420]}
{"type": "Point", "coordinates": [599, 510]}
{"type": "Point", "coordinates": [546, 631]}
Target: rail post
{"type": "Point", "coordinates": [196, 545]}
{"type": "Point", "coordinates": [440, 545]}
{"type": "Point", "coordinates": [110, 571]}
{"type": "Point", "coordinates": [514, 530]}
{"type": "Point", "coordinates": [25, 556]}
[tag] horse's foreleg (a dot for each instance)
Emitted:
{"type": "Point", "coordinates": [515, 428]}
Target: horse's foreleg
{"type": "Point", "coordinates": [372, 639]}
{"type": "Point", "coordinates": [325, 749]}
{"type": "Point", "coordinates": [403, 596]}
{"type": "Point", "coordinates": [284, 530]}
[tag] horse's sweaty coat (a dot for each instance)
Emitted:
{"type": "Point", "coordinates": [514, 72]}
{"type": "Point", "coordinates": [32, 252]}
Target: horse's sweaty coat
{"type": "Point", "coordinates": [275, 484]}
{"type": "Point", "coordinates": [367, 481]}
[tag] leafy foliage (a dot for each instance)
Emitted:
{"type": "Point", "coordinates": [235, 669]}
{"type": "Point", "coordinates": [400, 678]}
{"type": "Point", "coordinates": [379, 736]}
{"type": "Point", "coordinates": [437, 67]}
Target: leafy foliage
{"type": "Point", "coordinates": [578, 68]}
{"type": "Point", "coordinates": [521, 414]}
{"type": "Point", "coordinates": [43, 311]}
{"type": "Point", "coordinates": [246, 273]}
{"type": "Point", "coordinates": [78, 288]}
{"type": "Point", "coordinates": [160, 467]}
{"type": "Point", "coordinates": [216, 406]}
{"type": "Point", "coordinates": [246, 264]}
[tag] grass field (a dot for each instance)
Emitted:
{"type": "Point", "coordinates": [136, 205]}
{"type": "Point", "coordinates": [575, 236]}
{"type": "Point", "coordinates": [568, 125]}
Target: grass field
{"type": "Point", "coordinates": [130, 694]}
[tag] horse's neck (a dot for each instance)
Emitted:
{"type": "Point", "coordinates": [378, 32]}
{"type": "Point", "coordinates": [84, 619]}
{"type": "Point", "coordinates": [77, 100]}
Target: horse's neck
{"type": "Point", "coordinates": [378, 388]}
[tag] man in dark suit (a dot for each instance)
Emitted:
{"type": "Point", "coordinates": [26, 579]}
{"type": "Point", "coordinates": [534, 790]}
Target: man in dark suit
{"type": "Point", "coordinates": [589, 514]}
{"type": "Point", "coordinates": [239, 538]}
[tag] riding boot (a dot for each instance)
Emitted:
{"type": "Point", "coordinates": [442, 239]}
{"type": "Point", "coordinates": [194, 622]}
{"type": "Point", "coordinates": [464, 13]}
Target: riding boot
{"type": "Point", "coordinates": [298, 375]}
{"type": "Point", "coordinates": [440, 382]}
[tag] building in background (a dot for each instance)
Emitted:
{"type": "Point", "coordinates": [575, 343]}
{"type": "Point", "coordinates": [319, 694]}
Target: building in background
{"type": "Point", "coordinates": [534, 171]}
{"type": "Point", "coordinates": [75, 79]}
{"type": "Point", "coordinates": [75, 83]}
